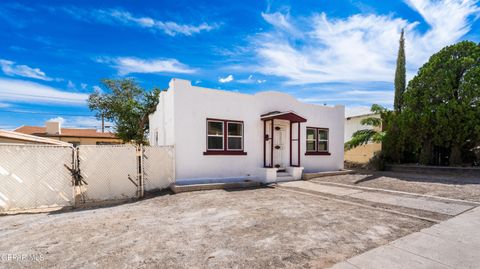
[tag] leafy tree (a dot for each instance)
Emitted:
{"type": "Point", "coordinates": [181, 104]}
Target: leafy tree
{"type": "Point", "coordinates": [400, 75]}
{"type": "Point", "coordinates": [442, 104]}
{"type": "Point", "coordinates": [127, 106]}
{"type": "Point", "coordinates": [375, 134]}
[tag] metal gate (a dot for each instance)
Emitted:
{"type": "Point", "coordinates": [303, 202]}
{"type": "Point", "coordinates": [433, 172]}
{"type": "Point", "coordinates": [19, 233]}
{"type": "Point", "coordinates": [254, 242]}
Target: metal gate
{"type": "Point", "coordinates": [109, 172]}
{"type": "Point", "coordinates": [158, 165]}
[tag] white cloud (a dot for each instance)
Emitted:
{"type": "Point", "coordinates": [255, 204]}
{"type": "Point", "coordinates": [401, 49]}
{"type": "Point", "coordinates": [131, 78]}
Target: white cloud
{"type": "Point", "coordinates": [114, 16]}
{"type": "Point", "coordinates": [71, 85]}
{"type": "Point", "coordinates": [59, 119]}
{"type": "Point", "coordinates": [82, 122]}
{"type": "Point", "coordinates": [8, 127]}
{"type": "Point", "coordinates": [83, 86]}
{"type": "Point", "coordinates": [12, 69]}
{"type": "Point", "coordinates": [281, 22]}
{"type": "Point", "coordinates": [173, 28]}
{"type": "Point", "coordinates": [14, 90]}
{"type": "Point", "coordinates": [360, 47]}
{"type": "Point", "coordinates": [127, 65]}
{"type": "Point", "coordinates": [97, 89]}
{"type": "Point", "coordinates": [356, 110]}
{"type": "Point", "coordinates": [251, 80]}
{"type": "Point", "coordinates": [87, 122]}
{"type": "Point", "coordinates": [226, 79]}
{"type": "Point", "coordinates": [352, 96]}
{"type": "Point", "coordinates": [170, 28]}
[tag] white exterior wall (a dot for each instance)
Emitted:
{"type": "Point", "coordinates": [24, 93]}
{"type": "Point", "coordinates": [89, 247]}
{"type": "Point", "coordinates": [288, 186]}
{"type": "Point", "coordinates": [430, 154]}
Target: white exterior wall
{"type": "Point", "coordinates": [162, 121]}
{"type": "Point", "coordinates": [353, 124]}
{"type": "Point", "coordinates": [193, 105]}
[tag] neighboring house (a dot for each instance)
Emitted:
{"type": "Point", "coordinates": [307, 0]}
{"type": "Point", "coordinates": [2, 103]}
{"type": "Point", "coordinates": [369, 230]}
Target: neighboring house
{"type": "Point", "coordinates": [10, 137]}
{"type": "Point", "coordinates": [73, 136]}
{"type": "Point", "coordinates": [227, 136]}
{"type": "Point", "coordinates": [361, 154]}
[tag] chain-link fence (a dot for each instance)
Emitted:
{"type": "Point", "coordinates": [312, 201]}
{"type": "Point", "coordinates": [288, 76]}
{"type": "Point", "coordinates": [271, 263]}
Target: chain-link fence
{"type": "Point", "coordinates": [38, 176]}
{"type": "Point", "coordinates": [35, 177]}
{"type": "Point", "coordinates": [110, 172]}
{"type": "Point", "coordinates": [158, 167]}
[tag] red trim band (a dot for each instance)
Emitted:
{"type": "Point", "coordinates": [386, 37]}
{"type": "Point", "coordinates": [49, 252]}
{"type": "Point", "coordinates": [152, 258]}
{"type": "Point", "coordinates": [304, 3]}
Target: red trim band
{"type": "Point", "coordinates": [223, 152]}
{"type": "Point", "coordinates": [317, 153]}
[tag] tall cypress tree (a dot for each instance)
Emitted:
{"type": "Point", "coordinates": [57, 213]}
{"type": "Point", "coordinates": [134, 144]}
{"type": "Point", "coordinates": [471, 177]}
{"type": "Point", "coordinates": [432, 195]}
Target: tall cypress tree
{"type": "Point", "coordinates": [400, 74]}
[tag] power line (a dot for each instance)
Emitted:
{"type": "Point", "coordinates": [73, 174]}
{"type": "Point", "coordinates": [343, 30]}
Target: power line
{"type": "Point", "coordinates": [43, 97]}
{"type": "Point", "coordinates": [43, 113]}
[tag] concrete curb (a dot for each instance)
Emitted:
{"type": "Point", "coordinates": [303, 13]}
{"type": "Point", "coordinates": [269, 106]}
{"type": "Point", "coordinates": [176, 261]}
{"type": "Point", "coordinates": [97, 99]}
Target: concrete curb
{"type": "Point", "coordinates": [308, 176]}
{"type": "Point", "coordinates": [213, 186]}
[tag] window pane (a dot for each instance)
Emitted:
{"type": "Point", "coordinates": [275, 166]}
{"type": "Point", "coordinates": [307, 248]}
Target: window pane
{"type": "Point", "coordinates": [323, 146]}
{"type": "Point", "coordinates": [215, 142]}
{"type": "Point", "coordinates": [215, 128]}
{"type": "Point", "coordinates": [311, 134]}
{"type": "Point", "coordinates": [234, 129]}
{"type": "Point", "coordinates": [310, 145]}
{"type": "Point", "coordinates": [234, 143]}
{"type": "Point", "coordinates": [322, 135]}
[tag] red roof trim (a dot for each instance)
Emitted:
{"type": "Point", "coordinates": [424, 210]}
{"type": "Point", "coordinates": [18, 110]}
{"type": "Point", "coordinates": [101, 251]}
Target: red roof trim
{"type": "Point", "coordinates": [290, 116]}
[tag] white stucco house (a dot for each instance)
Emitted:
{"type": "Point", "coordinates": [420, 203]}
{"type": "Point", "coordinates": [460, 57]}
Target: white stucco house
{"type": "Point", "coordinates": [222, 136]}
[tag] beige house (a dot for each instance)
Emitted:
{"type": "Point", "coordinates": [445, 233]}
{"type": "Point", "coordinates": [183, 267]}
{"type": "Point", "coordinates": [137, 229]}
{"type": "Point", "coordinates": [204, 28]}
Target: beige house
{"type": "Point", "coordinates": [361, 154]}
{"type": "Point", "coordinates": [10, 137]}
{"type": "Point", "coordinates": [74, 136]}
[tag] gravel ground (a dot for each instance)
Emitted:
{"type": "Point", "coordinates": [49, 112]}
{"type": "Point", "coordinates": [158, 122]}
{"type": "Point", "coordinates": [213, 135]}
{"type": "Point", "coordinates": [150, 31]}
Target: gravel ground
{"type": "Point", "coordinates": [256, 228]}
{"type": "Point", "coordinates": [449, 186]}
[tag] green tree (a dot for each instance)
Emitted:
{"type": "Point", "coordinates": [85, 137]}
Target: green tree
{"type": "Point", "coordinates": [442, 104]}
{"type": "Point", "coordinates": [128, 106]}
{"type": "Point", "coordinates": [400, 75]}
{"type": "Point", "coordinates": [375, 131]}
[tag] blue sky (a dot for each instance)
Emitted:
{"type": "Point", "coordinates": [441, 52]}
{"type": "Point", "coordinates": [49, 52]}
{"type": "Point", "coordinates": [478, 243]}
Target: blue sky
{"type": "Point", "coordinates": [54, 53]}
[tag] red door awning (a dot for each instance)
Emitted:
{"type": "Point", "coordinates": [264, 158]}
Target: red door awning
{"type": "Point", "coordinates": [286, 115]}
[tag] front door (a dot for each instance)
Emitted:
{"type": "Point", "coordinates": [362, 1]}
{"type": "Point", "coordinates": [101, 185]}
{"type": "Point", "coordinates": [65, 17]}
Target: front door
{"type": "Point", "coordinates": [279, 146]}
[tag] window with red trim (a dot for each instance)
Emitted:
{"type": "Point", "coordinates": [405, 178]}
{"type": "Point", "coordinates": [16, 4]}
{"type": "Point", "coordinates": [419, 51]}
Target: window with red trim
{"type": "Point", "coordinates": [317, 141]}
{"type": "Point", "coordinates": [224, 137]}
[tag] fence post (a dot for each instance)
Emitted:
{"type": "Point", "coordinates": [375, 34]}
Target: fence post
{"type": "Point", "coordinates": [76, 189]}
{"type": "Point", "coordinates": [141, 189]}
{"type": "Point", "coordinates": [77, 179]}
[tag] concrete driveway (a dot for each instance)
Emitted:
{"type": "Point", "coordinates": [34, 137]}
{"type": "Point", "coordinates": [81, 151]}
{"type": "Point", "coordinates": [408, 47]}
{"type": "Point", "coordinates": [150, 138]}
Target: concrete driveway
{"type": "Point", "coordinates": [454, 243]}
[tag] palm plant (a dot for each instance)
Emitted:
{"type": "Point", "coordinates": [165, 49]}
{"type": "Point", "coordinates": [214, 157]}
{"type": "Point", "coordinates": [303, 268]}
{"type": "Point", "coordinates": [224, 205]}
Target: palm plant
{"type": "Point", "coordinates": [375, 134]}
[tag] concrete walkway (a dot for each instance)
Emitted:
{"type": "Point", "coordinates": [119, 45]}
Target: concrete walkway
{"type": "Point", "coordinates": [410, 201]}
{"type": "Point", "coordinates": [454, 243]}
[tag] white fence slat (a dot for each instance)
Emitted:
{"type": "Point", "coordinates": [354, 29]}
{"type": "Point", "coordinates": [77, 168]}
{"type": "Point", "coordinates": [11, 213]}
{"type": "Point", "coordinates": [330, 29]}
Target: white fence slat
{"type": "Point", "coordinates": [158, 167]}
{"type": "Point", "coordinates": [107, 169]}
{"type": "Point", "coordinates": [35, 176]}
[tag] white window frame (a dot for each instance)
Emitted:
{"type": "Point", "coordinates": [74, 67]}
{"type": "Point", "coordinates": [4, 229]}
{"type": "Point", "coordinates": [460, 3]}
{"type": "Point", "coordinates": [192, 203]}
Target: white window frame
{"type": "Point", "coordinates": [323, 140]}
{"type": "Point", "coordinates": [237, 136]}
{"type": "Point", "coordinates": [314, 139]}
{"type": "Point", "coordinates": [222, 136]}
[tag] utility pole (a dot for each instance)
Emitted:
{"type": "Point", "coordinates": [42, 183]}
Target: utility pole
{"type": "Point", "coordinates": [103, 124]}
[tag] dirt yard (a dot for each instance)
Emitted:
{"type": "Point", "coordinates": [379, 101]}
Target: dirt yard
{"type": "Point", "coordinates": [449, 186]}
{"type": "Point", "coordinates": [256, 228]}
